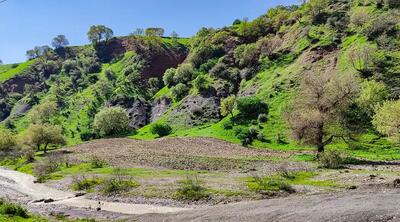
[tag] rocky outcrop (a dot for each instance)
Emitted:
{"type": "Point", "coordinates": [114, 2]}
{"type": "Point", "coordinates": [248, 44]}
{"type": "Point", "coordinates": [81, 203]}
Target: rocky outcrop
{"type": "Point", "coordinates": [138, 114]}
{"type": "Point", "coordinates": [196, 110]}
{"type": "Point", "coordinates": [159, 107]}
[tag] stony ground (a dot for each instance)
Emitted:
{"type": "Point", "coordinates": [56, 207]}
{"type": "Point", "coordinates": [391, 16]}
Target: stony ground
{"type": "Point", "coordinates": [223, 167]}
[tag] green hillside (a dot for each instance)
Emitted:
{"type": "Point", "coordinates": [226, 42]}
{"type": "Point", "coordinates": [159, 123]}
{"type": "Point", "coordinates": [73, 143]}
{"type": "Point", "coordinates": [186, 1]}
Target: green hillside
{"type": "Point", "coordinates": [273, 68]}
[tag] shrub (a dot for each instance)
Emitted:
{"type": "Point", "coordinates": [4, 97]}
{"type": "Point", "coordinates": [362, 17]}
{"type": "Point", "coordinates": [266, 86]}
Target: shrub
{"type": "Point", "coordinates": [83, 183]}
{"type": "Point", "coordinates": [12, 210]}
{"type": "Point", "coordinates": [246, 135]}
{"type": "Point", "coordinates": [372, 94]}
{"type": "Point", "coordinates": [111, 121]}
{"type": "Point", "coordinates": [247, 55]}
{"type": "Point", "coordinates": [201, 83]}
{"type": "Point", "coordinates": [191, 189]}
{"type": "Point", "coordinates": [262, 118]}
{"type": "Point", "coordinates": [359, 18]}
{"type": "Point", "coordinates": [45, 167]}
{"type": "Point", "coordinates": [118, 184]}
{"type": "Point", "coordinates": [179, 91]}
{"type": "Point", "coordinates": [251, 107]}
{"type": "Point", "coordinates": [392, 3]}
{"type": "Point", "coordinates": [261, 137]}
{"type": "Point", "coordinates": [384, 24]}
{"type": "Point", "coordinates": [97, 162]}
{"type": "Point", "coordinates": [184, 73]}
{"type": "Point", "coordinates": [263, 184]}
{"type": "Point", "coordinates": [7, 141]}
{"type": "Point", "coordinates": [168, 77]}
{"type": "Point", "coordinates": [331, 159]}
{"type": "Point", "coordinates": [227, 125]}
{"type": "Point", "coordinates": [387, 119]}
{"type": "Point", "coordinates": [161, 129]}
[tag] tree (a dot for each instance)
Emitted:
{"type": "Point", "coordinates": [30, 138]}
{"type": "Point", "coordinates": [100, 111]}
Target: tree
{"type": "Point", "coordinates": [111, 121]}
{"type": "Point", "coordinates": [174, 35]}
{"type": "Point", "coordinates": [7, 140]}
{"type": "Point", "coordinates": [42, 135]}
{"type": "Point", "coordinates": [372, 94]}
{"type": "Point", "coordinates": [97, 33]}
{"type": "Point", "coordinates": [184, 73]}
{"type": "Point", "coordinates": [42, 113]}
{"type": "Point", "coordinates": [59, 41]}
{"type": "Point", "coordinates": [201, 83]}
{"type": "Point", "coordinates": [38, 51]}
{"type": "Point", "coordinates": [387, 119]}
{"type": "Point", "coordinates": [168, 77]}
{"type": "Point", "coordinates": [228, 105]}
{"type": "Point", "coordinates": [315, 8]}
{"type": "Point", "coordinates": [318, 107]}
{"type": "Point", "coordinates": [251, 106]}
{"type": "Point", "coordinates": [154, 32]}
{"type": "Point", "coordinates": [138, 32]}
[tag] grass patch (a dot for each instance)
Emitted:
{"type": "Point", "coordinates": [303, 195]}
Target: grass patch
{"type": "Point", "coordinates": [10, 72]}
{"type": "Point", "coordinates": [191, 189]}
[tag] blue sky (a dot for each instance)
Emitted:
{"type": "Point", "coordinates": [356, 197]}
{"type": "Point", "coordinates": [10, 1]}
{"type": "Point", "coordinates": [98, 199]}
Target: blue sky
{"type": "Point", "coordinates": [27, 23]}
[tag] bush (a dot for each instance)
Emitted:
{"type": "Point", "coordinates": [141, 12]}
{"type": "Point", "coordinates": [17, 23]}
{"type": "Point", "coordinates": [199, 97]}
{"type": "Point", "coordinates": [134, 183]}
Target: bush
{"type": "Point", "coordinates": [247, 55]}
{"type": "Point", "coordinates": [97, 162]}
{"type": "Point", "coordinates": [331, 159]}
{"type": "Point", "coordinates": [251, 107]}
{"type": "Point", "coordinates": [184, 73]}
{"type": "Point", "coordinates": [13, 210]}
{"type": "Point", "coordinates": [168, 77]}
{"type": "Point", "coordinates": [227, 125]}
{"type": "Point", "coordinates": [111, 121]}
{"type": "Point", "coordinates": [179, 91]}
{"type": "Point", "coordinates": [7, 141]}
{"type": "Point", "coordinates": [201, 83]}
{"type": "Point", "coordinates": [45, 167]}
{"type": "Point", "coordinates": [191, 189]}
{"type": "Point", "coordinates": [387, 119]}
{"type": "Point", "coordinates": [392, 3]}
{"type": "Point", "coordinates": [246, 135]}
{"type": "Point", "coordinates": [43, 112]}
{"type": "Point", "coordinates": [118, 184]}
{"type": "Point", "coordinates": [359, 18]}
{"type": "Point", "coordinates": [372, 94]}
{"type": "Point", "coordinates": [263, 184]}
{"type": "Point", "coordinates": [83, 183]}
{"type": "Point", "coordinates": [262, 118]}
{"type": "Point", "coordinates": [161, 129]}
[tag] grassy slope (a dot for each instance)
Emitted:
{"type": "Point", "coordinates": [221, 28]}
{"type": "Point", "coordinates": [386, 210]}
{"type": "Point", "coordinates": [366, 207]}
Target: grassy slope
{"type": "Point", "coordinates": [7, 72]}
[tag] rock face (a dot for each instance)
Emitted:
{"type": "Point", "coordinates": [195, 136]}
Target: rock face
{"type": "Point", "coordinates": [196, 110]}
{"type": "Point", "coordinates": [138, 114]}
{"type": "Point", "coordinates": [159, 107]}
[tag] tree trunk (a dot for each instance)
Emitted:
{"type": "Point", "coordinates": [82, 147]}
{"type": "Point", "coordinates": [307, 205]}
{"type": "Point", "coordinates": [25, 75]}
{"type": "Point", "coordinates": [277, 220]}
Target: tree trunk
{"type": "Point", "coordinates": [45, 148]}
{"type": "Point", "coordinates": [320, 138]}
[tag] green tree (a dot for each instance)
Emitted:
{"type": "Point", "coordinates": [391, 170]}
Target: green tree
{"type": "Point", "coordinates": [111, 121]}
{"type": "Point", "coordinates": [228, 105]}
{"type": "Point", "coordinates": [43, 112]}
{"type": "Point", "coordinates": [168, 77]}
{"type": "Point", "coordinates": [251, 106]}
{"type": "Point", "coordinates": [179, 91]}
{"type": "Point", "coordinates": [7, 140]}
{"type": "Point", "coordinates": [184, 73]}
{"type": "Point", "coordinates": [154, 32]}
{"type": "Point", "coordinates": [42, 135]}
{"type": "Point", "coordinates": [201, 83]}
{"type": "Point", "coordinates": [372, 94]}
{"type": "Point", "coordinates": [98, 33]}
{"type": "Point", "coordinates": [387, 119]}
{"type": "Point", "coordinates": [59, 41]}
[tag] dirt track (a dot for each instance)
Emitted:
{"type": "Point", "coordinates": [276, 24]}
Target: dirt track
{"type": "Point", "coordinates": [369, 205]}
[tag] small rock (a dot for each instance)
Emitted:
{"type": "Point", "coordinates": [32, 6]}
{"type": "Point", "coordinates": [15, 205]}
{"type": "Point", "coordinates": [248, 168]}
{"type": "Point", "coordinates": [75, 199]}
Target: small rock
{"type": "Point", "coordinates": [48, 200]}
{"type": "Point", "coordinates": [396, 183]}
{"type": "Point", "coordinates": [353, 187]}
{"type": "Point", "coordinates": [79, 194]}
{"type": "Point", "coordinates": [372, 176]}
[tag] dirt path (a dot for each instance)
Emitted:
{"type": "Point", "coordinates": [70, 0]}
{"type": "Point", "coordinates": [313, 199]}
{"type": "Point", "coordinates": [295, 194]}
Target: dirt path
{"type": "Point", "coordinates": [24, 184]}
{"type": "Point", "coordinates": [358, 206]}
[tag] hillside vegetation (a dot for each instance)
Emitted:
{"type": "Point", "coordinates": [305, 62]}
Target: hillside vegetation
{"type": "Point", "coordinates": [323, 74]}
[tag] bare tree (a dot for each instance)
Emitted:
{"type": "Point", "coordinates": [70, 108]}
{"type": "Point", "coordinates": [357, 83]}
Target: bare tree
{"type": "Point", "coordinates": [316, 114]}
